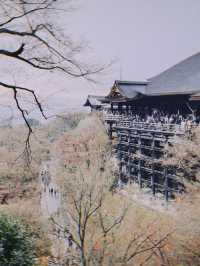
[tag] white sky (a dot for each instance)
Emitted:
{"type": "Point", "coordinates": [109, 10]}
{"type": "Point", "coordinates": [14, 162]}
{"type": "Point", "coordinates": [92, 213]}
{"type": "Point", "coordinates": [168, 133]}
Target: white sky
{"type": "Point", "coordinates": [146, 36]}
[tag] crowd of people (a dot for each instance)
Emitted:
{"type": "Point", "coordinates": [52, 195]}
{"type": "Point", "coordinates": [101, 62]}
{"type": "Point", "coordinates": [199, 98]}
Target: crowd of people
{"type": "Point", "coordinates": [180, 121]}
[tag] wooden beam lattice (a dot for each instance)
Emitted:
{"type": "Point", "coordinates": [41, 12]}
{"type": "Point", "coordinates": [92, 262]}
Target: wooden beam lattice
{"type": "Point", "coordinates": [142, 151]}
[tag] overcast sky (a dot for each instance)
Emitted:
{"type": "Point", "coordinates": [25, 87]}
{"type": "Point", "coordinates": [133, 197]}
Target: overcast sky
{"type": "Point", "coordinates": [146, 36]}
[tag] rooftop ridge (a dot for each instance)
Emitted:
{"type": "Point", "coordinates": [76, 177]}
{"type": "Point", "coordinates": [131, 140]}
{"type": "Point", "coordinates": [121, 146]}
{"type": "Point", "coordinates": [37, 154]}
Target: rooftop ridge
{"type": "Point", "coordinates": [131, 82]}
{"type": "Point", "coordinates": [93, 95]}
{"type": "Point", "coordinates": [174, 66]}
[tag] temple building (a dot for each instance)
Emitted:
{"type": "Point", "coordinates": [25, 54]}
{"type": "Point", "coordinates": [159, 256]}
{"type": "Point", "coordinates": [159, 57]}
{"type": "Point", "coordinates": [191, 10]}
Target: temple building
{"type": "Point", "coordinates": [146, 116]}
{"type": "Point", "coordinates": [176, 90]}
{"type": "Point", "coordinates": [96, 102]}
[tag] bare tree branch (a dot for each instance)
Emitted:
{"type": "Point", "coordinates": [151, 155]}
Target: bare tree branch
{"type": "Point", "coordinates": [42, 44]}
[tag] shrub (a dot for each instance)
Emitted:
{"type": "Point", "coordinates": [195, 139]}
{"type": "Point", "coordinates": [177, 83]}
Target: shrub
{"type": "Point", "coordinates": [16, 243]}
{"type": "Point", "coordinates": [184, 156]}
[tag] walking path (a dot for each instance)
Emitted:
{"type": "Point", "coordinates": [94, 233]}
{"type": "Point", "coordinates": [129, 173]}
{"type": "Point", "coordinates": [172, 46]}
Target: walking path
{"type": "Point", "coordinates": [50, 194]}
{"type": "Point", "coordinates": [50, 203]}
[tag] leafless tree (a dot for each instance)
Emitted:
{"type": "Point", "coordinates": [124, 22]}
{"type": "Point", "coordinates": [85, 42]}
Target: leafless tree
{"type": "Point", "coordinates": [95, 220]}
{"type": "Point", "coordinates": [95, 233]}
{"type": "Point", "coordinates": [99, 249]}
{"type": "Point", "coordinates": [35, 37]}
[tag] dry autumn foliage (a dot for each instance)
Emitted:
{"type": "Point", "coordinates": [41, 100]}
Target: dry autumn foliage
{"type": "Point", "coordinates": [80, 155]}
{"type": "Point", "coordinates": [85, 173]}
{"type": "Point", "coordinates": [184, 155]}
{"type": "Point", "coordinates": [19, 187]}
{"type": "Point", "coordinates": [139, 234]}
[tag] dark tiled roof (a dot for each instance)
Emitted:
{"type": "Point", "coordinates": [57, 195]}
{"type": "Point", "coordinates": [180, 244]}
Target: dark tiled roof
{"type": "Point", "coordinates": [94, 100]}
{"type": "Point", "coordinates": [130, 89]}
{"type": "Point", "coordinates": [183, 78]}
{"type": "Point", "coordinates": [195, 97]}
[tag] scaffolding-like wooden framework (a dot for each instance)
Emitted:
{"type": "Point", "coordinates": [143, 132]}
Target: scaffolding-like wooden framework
{"type": "Point", "coordinates": [141, 151]}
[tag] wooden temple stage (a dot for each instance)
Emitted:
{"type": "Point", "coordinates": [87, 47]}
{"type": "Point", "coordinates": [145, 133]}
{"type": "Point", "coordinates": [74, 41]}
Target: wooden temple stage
{"type": "Point", "coordinates": [147, 116]}
{"type": "Point", "coordinates": [140, 150]}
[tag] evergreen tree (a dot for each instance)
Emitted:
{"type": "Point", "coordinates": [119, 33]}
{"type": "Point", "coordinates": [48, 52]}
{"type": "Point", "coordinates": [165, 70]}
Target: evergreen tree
{"type": "Point", "coordinates": [16, 243]}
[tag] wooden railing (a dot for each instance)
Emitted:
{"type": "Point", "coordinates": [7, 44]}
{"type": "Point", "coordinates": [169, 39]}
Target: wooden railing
{"type": "Point", "coordinates": [177, 128]}
{"type": "Point", "coordinates": [112, 117]}
{"type": "Point", "coordinates": [124, 121]}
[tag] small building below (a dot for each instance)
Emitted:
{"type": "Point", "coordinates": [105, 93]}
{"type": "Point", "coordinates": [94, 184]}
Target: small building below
{"type": "Point", "coordinates": [96, 102]}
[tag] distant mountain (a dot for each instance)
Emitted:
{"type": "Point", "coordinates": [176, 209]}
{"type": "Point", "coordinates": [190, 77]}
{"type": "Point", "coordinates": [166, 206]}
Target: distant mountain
{"type": "Point", "coordinates": [52, 106]}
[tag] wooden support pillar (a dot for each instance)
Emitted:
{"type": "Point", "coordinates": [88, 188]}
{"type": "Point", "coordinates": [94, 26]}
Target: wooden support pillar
{"type": "Point", "coordinates": [118, 108]}
{"type": "Point", "coordinates": [139, 163]}
{"type": "Point", "coordinates": [153, 145]}
{"type": "Point", "coordinates": [127, 109]}
{"type": "Point", "coordinates": [139, 142]}
{"type": "Point", "coordinates": [118, 147]}
{"type": "Point", "coordinates": [120, 168]}
{"type": "Point", "coordinates": [139, 174]}
{"type": "Point", "coordinates": [132, 109]}
{"type": "Point", "coordinates": [153, 187]}
{"type": "Point", "coordinates": [129, 155]}
{"type": "Point", "coordinates": [120, 164]}
{"type": "Point", "coordinates": [110, 130]}
{"type": "Point", "coordinates": [166, 139]}
{"type": "Point", "coordinates": [111, 107]}
{"type": "Point", "coordinates": [153, 166]}
{"type": "Point", "coordinates": [166, 184]}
